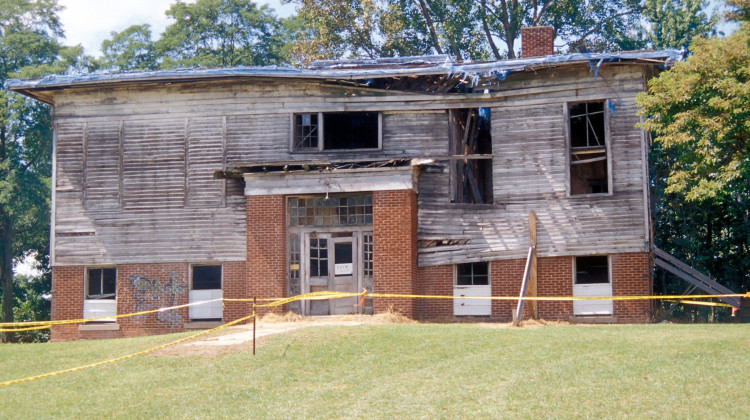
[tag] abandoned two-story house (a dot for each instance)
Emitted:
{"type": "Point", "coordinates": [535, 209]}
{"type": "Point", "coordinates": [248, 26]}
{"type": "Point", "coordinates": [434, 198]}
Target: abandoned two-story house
{"type": "Point", "coordinates": [405, 176]}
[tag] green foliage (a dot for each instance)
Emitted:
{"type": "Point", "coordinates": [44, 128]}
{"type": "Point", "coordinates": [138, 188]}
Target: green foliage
{"type": "Point", "coordinates": [699, 114]}
{"type": "Point", "coordinates": [32, 303]}
{"type": "Point", "coordinates": [29, 47]}
{"type": "Point", "coordinates": [131, 49]}
{"type": "Point", "coordinates": [220, 33]}
{"type": "Point", "coordinates": [669, 24]}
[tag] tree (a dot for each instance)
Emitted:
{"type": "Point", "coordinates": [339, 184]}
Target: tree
{"type": "Point", "coordinates": [466, 29]}
{"type": "Point", "coordinates": [699, 114]}
{"type": "Point", "coordinates": [131, 49]}
{"type": "Point", "coordinates": [220, 33]}
{"type": "Point", "coordinates": [28, 47]}
{"type": "Point", "coordinates": [669, 24]}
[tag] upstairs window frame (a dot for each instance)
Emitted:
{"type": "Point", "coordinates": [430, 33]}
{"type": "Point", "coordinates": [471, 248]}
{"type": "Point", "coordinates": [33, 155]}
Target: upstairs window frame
{"type": "Point", "coordinates": [308, 132]}
{"type": "Point", "coordinates": [574, 154]}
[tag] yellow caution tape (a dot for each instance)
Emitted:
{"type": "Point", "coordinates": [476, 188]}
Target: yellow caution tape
{"type": "Point", "coordinates": [117, 359]}
{"type": "Point", "coordinates": [40, 327]}
{"type": "Point", "coordinates": [80, 321]}
{"type": "Point", "coordinates": [702, 303]}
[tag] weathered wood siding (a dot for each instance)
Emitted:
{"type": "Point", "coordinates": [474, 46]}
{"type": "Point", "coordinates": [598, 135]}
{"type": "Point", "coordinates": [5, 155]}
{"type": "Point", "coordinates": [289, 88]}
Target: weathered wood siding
{"type": "Point", "coordinates": [134, 165]}
{"type": "Point", "coordinates": [530, 174]}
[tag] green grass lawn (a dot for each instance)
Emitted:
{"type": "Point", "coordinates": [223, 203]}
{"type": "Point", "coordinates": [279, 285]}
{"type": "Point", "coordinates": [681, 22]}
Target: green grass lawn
{"type": "Point", "coordinates": [401, 371]}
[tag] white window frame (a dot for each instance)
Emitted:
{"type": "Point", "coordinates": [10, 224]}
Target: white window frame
{"type": "Point", "coordinates": [472, 306]}
{"type": "Point", "coordinates": [607, 147]}
{"type": "Point", "coordinates": [321, 134]}
{"type": "Point", "coordinates": [98, 308]}
{"type": "Point", "coordinates": [592, 307]}
{"type": "Point", "coordinates": [207, 311]}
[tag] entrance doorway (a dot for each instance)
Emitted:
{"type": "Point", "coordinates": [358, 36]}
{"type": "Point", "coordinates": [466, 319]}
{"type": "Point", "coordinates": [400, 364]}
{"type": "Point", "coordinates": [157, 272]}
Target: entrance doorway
{"type": "Point", "coordinates": [333, 261]}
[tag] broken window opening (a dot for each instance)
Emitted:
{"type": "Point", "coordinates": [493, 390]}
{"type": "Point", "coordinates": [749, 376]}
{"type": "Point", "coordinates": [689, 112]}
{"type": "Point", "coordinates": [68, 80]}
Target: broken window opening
{"type": "Point", "coordinates": [102, 283]}
{"type": "Point", "coordinates": [592, 270]}
{"type": "Point", "coordinates": [337, 131]}
{"type": "Point", "coordinates": [471, 156]}
{"type": "Point", "coordinates": [473, 274]}
{"type": "Point", "coordinates": [588, 148]}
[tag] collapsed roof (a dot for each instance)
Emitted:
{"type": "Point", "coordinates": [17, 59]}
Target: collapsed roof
{"type": "Point", "coordinates": [426, 74]}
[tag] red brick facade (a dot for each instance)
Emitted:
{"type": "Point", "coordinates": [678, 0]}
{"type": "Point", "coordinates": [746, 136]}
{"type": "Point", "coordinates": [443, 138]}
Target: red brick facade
{"type": "Point", "coordinates": [263, 275]}
{"type": "Point", "coordinates": [266, 248]}
{"type": "Point", "coordinates": [537, 41]}
{"type": "Point", "coordinates": [140, 287]}
{"type": "Point", "coordinates": [395, 248]}
{"type": "Point", "coordinates": [630, 277]}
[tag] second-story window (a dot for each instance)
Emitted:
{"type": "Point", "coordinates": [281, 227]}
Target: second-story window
{"type": "Point", "coordinates": [336, 131]}
{"type": "Point", "coordinates": [588, 148]}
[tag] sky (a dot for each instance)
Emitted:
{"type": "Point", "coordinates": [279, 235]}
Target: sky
{"type": "Point", "coordinates": [89, 22]}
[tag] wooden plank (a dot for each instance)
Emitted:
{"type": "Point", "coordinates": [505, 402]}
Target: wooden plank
{"type": "Point", "coordinates": [533, 271]}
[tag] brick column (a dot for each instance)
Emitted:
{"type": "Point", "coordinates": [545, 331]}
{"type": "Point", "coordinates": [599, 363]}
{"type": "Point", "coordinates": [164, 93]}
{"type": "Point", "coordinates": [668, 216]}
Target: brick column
{"type": "Point", "coordinates": [266, 247]}
{"type": "Point", "coordinates": [395, 248]}
{"type": "Point", "coordinates": [67, 300]}
{"type": "Point", "coordinates": [631, 276]}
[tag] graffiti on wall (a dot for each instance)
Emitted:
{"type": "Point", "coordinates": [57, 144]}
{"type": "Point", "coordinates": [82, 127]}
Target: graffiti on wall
{"type": "Point", "coordinates": [153, 294]}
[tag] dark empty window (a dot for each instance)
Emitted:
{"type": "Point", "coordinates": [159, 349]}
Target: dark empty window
{"type": "Point", "coordinates": [588, 148]}
{"type": "Point", "coordinates": [102, 283]}
{"type": "Point", "coordinates": [473, 274]}
{"type": "Point", "coordinates": [471, 156]}
{"type": "Point", "coordinates": [337, 131]}
{"type": "Point", "coordinates": [206, 277]}
{"type": "Point", "coordinates": [592, 270]}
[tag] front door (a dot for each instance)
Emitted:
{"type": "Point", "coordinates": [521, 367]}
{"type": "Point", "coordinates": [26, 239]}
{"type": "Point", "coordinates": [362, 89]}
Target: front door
{"type": "Point", "coordinates": [331, 265]}
{"type": "Point", "coordinates": [344, 276]}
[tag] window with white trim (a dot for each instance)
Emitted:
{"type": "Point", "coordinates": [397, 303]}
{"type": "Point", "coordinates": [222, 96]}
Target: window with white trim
{"type": "Point", "coordinates": [587, 131]}
{"type": "Point", "coordinates": [592, 270]}
{"type": "Point", "coordinates": [335, 131]}
{"type": "Point", "coordinates": [206, 277]}
{"type": "Point", "coordinates": [473, 274]}
{"type": "Point", "coordinates": [102, 283]}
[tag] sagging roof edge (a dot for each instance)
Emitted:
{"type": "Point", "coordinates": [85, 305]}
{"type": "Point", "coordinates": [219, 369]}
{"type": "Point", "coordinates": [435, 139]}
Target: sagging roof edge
{"type": "Point", "coordinates": [347, 70]}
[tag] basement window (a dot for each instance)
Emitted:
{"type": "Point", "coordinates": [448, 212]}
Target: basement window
{"type": "Point", "coordinates": [592, 270]}
{"type": "Point", "coordinates": [471, 156]}
{"type": "Point", "coordinates": [206, 277]}
{"type": "Point", "coordinates": [473, 274]}
{"type": "Point", "coordinates": [102, 283]}
{"type": "Point", "coordinates": [100, 294]}
{"type": "Point", "coordinates": [335, 131]}
{"type": "Point", "coordinates": [588, 148]}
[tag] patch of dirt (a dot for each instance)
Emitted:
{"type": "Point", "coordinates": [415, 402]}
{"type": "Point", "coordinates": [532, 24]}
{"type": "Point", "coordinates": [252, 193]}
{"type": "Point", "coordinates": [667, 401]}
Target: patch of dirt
{"type": "Point", "coordinates": [240, 338]}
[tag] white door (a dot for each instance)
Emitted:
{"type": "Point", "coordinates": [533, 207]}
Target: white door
{"type": "Point", "coordinates": [472, 281]}
{"type": "Point", "coordinates": [344, 276]}
{"type": "Point", "coordinates": [592, 278]}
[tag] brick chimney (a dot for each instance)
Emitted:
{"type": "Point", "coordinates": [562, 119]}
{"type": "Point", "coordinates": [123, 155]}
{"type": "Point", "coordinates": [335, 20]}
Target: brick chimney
{"type": "Point", "coordinates": [537, 41]}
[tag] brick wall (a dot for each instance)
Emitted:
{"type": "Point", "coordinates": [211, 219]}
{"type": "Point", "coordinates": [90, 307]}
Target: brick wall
{"type": "Point", "coordinates": [140, 287]}
{"type": "Point", "coordinates": [266, 248]}
{"type": "Point", "coordinates": [436, 280]}
{"type": "Point", "coordinates": [395, 248]}
{"type": "Point", "coordinates": [537, 41]}
{"type": "Point", "coordinates": [630, 276]}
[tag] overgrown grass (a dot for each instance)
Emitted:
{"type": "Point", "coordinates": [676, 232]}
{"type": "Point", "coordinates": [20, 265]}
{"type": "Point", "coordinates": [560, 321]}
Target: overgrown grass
{"type": "Point", "coordinates": [402, 371]}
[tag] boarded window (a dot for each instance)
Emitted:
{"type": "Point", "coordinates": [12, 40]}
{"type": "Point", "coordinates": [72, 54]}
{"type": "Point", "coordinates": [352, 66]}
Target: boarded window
{"type": "Point", "coordinates": [592, 270]}
{"type": "Point", "coordinates": [337, 131]}
{"type": "Point", "coordinates": [102, 283]}
{"type": "Point", "coordinates": [206, 277]}
{"type": "Point", "coordinates": [588, 148]}
{"type": "Point", "coordinates": [473, 274]}
{"type": "Point", "coordinates": [471, 156]}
